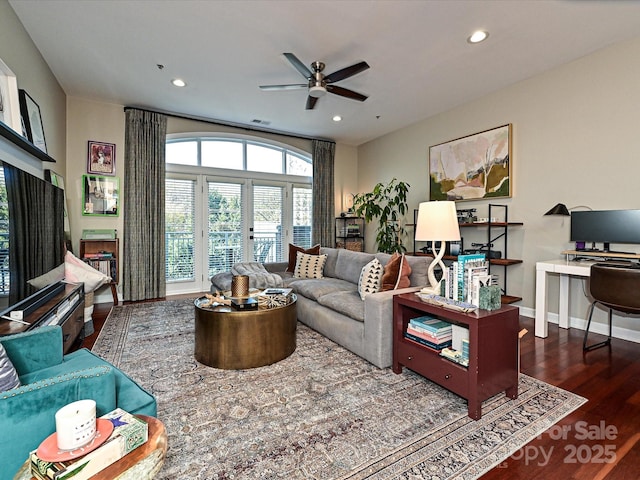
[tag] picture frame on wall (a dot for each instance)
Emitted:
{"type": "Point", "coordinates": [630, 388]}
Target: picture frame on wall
{"type": "Point", "coordinates": [100, 195]}
{"type": "Point", "coordinates": [474, 167]}
{"type": "Point", "coordinates": [32, 120]}
{"type": "Point", "coordinates": [101, 158]}
{"type": "Point", "coordinates": [9, 101]}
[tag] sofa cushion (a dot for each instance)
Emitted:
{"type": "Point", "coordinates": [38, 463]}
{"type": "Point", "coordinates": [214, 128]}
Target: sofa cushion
{"type": "Point", "coordinates": [76, 271]}
{"type": "Point", "coordinates": [8, 375]}
{"type": "Point", "coordinates": [314, 288]}
{"type": "Point", "coordinates": [309, 266]}
{"type": "Point", "coordinates": [349, 264]}
{"type": "Point", "coordinates": [346, 303]}
{"type": "Point", "coordinates": [370, 278]}
{"type": "Point", "coordinates": [396, 273]}
{"type": "Point", "coordinates": [330, 264]}
{"type": "Point", "coordinates": [293, 251]}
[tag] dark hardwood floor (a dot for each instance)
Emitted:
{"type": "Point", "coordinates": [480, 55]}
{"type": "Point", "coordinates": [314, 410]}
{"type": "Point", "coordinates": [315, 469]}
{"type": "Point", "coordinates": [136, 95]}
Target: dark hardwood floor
{"type": "Point", "coordinates": [600, 440]}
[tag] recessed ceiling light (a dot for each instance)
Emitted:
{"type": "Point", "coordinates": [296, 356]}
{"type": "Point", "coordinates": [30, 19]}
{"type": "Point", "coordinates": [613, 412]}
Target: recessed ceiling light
{"type": "Point", "coordinates": [337, 118]}
{"type": "Point", "coordinates": [478, 36]}
{"type": "Point", "coordinates": [178, 82]}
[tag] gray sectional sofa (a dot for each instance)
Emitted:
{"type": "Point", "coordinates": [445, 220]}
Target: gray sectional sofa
{"type": "Point", "coordinates": [332, 305]}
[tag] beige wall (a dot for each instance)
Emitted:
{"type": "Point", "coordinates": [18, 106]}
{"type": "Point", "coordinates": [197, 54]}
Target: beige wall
{"type": "Point", "coordinates": [575, 141]}
{"type": "Point", "coordinates": [20, 54]}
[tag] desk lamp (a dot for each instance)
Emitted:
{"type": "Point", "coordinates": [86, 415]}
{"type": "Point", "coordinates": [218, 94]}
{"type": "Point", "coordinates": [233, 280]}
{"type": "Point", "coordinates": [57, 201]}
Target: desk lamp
{"type": "Point", "coordinates": [437, 222]}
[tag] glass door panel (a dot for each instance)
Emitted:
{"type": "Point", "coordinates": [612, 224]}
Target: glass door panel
{"type": "Point", "coordinates": [267, 223]}
{"type": "Point", "coordinates": [225, 226]}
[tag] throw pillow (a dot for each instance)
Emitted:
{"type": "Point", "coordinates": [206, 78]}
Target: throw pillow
{"type": "Point", "coordinates": [396, 273]}
{"type": "Point", "coordinates": [76, 271]}
{"type": "Point", "coordinates": [309, 266]}
{"type": "Point", "coordinates": [52, 276]}
{"type": "Point", "coordinates": [8, 375]}
{"type": "Point", "coordinates": [370, 278]}
{"type": "Point", "coordinates": [294, 249]}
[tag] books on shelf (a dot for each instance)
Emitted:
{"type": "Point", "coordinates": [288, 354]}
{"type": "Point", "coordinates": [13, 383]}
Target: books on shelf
{"type": "Point", "coordinates": [108, 266]}
{"type": "Point", "coordinates": [463, 279]}
{"type": "Point", "coordinates": [128, 434]}
{"type": "Point", "coordinates": [429, 331]}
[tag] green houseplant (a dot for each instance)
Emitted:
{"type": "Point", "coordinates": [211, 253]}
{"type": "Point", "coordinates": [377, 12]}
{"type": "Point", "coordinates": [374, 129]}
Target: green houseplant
{"type": "Point", "coordinates": [387, 203]}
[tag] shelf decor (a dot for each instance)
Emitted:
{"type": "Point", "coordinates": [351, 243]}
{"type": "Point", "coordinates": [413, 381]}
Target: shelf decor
{"type": "Point", "coordinates": [100, 195]}
{"type": "Point", "coordinates": [32, 120]}
{"type": "Point", "coordinates": [9, 103]}
{"type": "Point", "coordinates": [473, 167]}
{"type": "Point", "coordinates": [101, 158]}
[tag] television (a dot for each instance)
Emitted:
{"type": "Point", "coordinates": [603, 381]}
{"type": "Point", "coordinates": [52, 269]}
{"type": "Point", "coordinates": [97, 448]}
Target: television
{"type": "Point", "coordinates": [606, 227]}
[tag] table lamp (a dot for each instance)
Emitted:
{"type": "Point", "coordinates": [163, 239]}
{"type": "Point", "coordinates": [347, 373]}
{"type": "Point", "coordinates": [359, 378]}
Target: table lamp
{"type": "Point", "coordinates": [437, 222]}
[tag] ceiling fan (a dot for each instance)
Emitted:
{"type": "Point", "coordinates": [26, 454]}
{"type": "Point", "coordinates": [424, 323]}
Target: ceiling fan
{"type": "Point", "coordinates": [318, 83]}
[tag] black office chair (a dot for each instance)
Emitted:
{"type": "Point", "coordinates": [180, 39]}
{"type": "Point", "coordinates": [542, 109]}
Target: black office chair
{"type": "Point", "coordinates": [616, 287]}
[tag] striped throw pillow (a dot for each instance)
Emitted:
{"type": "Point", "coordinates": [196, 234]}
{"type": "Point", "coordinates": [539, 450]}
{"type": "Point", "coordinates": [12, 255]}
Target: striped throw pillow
{"type": "Point", "coordinates": [8, 375]}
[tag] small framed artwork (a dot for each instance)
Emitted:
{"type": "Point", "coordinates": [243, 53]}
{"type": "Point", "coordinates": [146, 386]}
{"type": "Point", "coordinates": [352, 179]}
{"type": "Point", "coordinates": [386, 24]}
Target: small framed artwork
{"type": "Point", "coordinates": [101, 158]}
{"type": "Point", "coordinates": [474, 167]}
{"type": "Point", "coordinates": [101, 195]}
{"type": "Point", "coordinates": [32, 121]}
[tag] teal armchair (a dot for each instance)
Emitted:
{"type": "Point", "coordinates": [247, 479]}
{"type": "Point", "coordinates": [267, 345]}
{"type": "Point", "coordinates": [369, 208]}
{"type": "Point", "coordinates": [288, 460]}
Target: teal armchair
{"type": "Point", "coordinates": [51, 380]}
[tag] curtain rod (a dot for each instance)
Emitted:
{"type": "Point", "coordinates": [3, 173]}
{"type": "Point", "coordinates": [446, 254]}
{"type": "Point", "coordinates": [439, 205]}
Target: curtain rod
{"type": "Point", "coordinates": [228, 124]}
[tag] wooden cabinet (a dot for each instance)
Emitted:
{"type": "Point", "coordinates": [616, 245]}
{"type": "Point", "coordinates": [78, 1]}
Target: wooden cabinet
{"type": "Point", "coordinates": [493, 351]}
{"type": "Point", "coordinates": [103, 256]}
{"type": "Point", "coordinates": [58, 304]}
{"type": "Point", "coordinates": [350, 233]}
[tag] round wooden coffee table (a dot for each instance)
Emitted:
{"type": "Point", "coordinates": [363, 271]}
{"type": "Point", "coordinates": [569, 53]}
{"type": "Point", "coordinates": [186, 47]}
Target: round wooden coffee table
{"type": "Point", "coordinates": [236, 339]}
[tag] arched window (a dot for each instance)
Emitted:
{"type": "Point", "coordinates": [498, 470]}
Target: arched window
{"type": "Point", "coordinates": [231, 199]}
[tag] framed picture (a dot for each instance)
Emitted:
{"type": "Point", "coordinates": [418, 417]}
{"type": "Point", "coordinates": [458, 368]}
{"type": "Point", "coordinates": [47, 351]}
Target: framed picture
{"type": "Point", "coordinates": [58, 180]}
{"type": "Point", "coordinates": [100, 195]}
{"type": "Point", "coordinates": [473, 167]}
{"type": "Point", "coordinates": [32, 121]}
{"type": "Point", "coordinates": [9, 102]}
{"type": "Point", "coordinates": [101, 158]}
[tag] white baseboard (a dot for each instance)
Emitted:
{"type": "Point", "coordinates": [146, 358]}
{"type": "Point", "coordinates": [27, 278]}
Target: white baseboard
{"type": "Point", "coordinates": [596, 327]}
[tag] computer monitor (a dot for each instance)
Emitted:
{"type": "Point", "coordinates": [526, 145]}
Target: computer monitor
{"type": "Point", "coordinates": [606, 226]}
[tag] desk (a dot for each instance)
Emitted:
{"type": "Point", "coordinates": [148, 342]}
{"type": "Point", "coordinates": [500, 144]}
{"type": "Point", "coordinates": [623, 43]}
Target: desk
{"type": "Point", "coordinates": [566, 269]}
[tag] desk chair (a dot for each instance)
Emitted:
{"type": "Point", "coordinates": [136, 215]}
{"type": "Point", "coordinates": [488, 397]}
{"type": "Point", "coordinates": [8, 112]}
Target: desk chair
{"type": "Point", "coordinates": [616, 287]}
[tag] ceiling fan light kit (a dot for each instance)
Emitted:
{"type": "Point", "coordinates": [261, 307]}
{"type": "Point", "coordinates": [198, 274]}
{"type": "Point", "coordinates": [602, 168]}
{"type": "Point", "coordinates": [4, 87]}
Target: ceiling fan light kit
{"type": "Point", "coordinates": [318, 83]}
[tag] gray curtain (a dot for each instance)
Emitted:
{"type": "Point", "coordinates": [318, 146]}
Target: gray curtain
{"type": "Point", "coordinates": [322, 230]}
{"type": "Point", "coordinates": [143, 267]}
{"type": "Point", "coordinates": [36, 219]}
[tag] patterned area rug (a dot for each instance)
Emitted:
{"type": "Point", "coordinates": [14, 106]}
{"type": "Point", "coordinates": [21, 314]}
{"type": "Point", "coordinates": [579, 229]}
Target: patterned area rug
{"type": "Point", "coordinates": [323, 413]}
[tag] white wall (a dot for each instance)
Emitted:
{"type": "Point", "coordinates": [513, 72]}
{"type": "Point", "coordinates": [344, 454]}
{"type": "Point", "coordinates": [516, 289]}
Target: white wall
{"type": "Point", "coordinates": [20, 54]}
{"type": "Point", "coordinates": [575, 141]}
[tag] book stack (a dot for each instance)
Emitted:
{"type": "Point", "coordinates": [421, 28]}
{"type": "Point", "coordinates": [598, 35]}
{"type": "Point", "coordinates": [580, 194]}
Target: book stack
{"type": "Point", "coordinates": [429, 331]}
{"type": "Point", "coordinates": [459, 351]}
{"type": "Point", "coordinates": [129, 433]}
{"type": "Point", "coordinates": [103, 262]}
{"type": "Point", "coordinates": [464, 278]}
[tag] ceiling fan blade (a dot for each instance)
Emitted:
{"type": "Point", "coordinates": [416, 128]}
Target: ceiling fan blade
{"type": "Point", "coordinates": [284, 87]}
{"type": "Point", "coordinates": [346, 72]}
{"type": "Point", "coordinates": [298, 65]}
{"type": "Point", "coordinates": [311, 102]}
{"type": "Point", "coordinates": [345, 92]}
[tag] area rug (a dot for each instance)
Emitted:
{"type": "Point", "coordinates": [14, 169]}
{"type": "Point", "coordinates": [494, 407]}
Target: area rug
{"type": "Point", "coordinates": [322, 413]}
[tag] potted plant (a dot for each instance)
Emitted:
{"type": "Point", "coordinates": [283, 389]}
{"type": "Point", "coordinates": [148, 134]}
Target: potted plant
{"type": "Point", "coordinates": [387, 203]}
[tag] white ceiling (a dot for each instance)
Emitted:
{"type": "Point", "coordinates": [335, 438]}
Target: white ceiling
{"type": "Point", "coordinates": [420, 61]}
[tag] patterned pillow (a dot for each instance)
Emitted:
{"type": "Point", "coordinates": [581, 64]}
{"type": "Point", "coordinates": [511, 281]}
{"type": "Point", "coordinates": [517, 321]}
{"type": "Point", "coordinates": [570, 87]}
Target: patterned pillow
{"type": "Point", "coordinates": [309, 266]}
{"type": "Point", "coordinates": [8, 375]}
{"type": "Point", "coordinates": [396, 273]}
{"type": "Point", "coordinates": [293, 252]}
{"type": "Point", "coordinates": [370, 278]}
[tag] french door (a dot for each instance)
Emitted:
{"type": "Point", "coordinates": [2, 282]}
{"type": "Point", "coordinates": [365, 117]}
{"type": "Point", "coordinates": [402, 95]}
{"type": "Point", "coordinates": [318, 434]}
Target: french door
{"type": "Point", "coordinates": [214, 222]}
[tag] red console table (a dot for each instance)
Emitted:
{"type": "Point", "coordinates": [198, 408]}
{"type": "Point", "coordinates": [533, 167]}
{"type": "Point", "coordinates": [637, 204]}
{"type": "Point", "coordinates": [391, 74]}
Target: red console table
{"type": "Point", "coordinates": [493, 351]}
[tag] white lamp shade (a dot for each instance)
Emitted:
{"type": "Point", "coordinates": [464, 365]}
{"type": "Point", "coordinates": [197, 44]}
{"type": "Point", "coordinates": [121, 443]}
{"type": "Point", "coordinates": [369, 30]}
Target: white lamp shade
{"type": "Point", "coordinates": [437, 221]}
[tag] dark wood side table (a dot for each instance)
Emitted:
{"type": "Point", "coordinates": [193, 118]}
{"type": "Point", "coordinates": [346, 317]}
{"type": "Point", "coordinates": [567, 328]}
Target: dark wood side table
{"type": "Point", "coordinates": [493, 350]}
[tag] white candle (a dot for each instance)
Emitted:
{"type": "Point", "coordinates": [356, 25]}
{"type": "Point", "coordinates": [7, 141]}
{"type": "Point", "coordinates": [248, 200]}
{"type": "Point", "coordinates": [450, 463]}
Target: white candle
{"type": "Point", "coordinates": [76, 424]}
